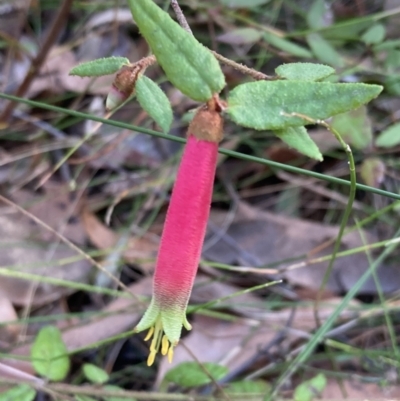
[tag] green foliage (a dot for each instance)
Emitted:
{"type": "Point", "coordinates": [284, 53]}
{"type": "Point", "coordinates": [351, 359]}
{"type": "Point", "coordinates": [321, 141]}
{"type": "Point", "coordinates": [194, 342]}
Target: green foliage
{"type": "Point", "coordinates": [324, 51]}
{"type": "Point", "coordinates": [188, 64]}
{"type": "Point", "coordinates": [355, 126]}
{"type": "Point", "coordinates": [315, 15]}
{"type": "Point", "coordinates": [266, 105]}
{"type": "Point", "coordinates": [298, 138]}
{"type": "Point", "coordinates": [241, 36]}
{"type": "Point", "coordinates": [248, 387]}
{"type": "Point", "coordinates": [287, 46]}
{"type": "Point", "coordinates": [310, 389]}
{"type": "Point", "coordinates": [99, 67]}
{"type": "Point", "coordinates": [304, 71]}
{"type": "Point", "coordinates": [243, 3]}
{"type": "Point", "coordinates": [389, 137]}
{"type": "Point", "coordinates": [49, 354]}
{"type": "Point", "coordinates": [372, 171]}
{"type": "Point", "coordinates": [22, 392]}
{"type": "Point", "coordinates": [190, 374]}
{"type": "Point", "coordinates": [95, 374]}
{"type": "Point", "coordinates": [114, 398]}
{"type": "Point", "coordinates": [374, 35]}
{"type": "Point", "coordinates": [154, 101]}
{"type": "Point", "coordinates": [84, 398]}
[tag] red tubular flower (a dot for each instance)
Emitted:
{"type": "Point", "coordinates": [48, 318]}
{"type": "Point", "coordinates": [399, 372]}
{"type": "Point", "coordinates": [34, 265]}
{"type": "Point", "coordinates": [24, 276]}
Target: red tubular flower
{"type": "Point", "coordinates": [183, 235]}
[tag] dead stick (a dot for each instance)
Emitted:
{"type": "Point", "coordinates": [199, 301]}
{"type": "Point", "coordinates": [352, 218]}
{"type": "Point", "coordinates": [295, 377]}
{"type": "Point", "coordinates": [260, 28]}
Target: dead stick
{"type": "Point", "coordinates": [58, 23]}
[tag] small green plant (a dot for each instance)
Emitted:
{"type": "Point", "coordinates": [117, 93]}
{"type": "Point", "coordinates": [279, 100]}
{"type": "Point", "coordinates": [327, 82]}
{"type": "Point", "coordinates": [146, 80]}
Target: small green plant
{"type": "Point", "coordinates": [297, 96]}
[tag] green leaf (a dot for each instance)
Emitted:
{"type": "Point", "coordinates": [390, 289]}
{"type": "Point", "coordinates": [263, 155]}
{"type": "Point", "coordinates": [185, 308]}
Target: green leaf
{"type": "Point", "coordinates": [247, 387]}
{"type": "Point", "coordinates": [22, 392]}
{"type": "Point", "coordinates": [389, 137]}
{"type": "Point", "coordinates": [310, 389]}
{"type": "Point", "coordinates": [241, 36]}
{"type": "Point", "coordinates": [84, 398]}
{"type": "Point", "coordinates": [115, 389]}
{"type": "Point", "coordinates": [298, 138]}
{"type": "Point", "coordinates": [95, 374]}
{"type": "Point", "coordinates": [99, 67]}
{"type": "Point", "coordinates": [190, 374]}
{"type": "Point", "coordinates": [374, 35]}
{"type": "Point", "coordinates": [324, 51]}
{"type": "Point", "coordinates": [315, 15]}
{"type": "Point", "coordinates": [266, 105]}
{"type": "Point", "coordinates": [187, 63]}
{"type": "Point", "coordinates": [287, 46]}
{"type": "Point", "coordinates": [373, 171]}
{"type": "Point", "coordinates": [49, 354]}
{"type": "Point", "coordinates": [243, 3]}
{"type": "Point", "coordinates": [304, 71]}
{"type": "Point", "coordinates": [355, 127]}
{"type": "Point", "coordinates": [154, 101]}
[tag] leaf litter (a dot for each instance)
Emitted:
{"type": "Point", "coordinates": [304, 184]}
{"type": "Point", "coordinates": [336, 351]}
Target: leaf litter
{"type": "Point", "coordinates": [256, 245]}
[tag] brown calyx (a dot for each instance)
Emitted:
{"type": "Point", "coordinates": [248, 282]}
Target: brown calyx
{"type": "Point", "coordinates": [207, 124]}
{"type": "Point", "coordinates": [125, 79]}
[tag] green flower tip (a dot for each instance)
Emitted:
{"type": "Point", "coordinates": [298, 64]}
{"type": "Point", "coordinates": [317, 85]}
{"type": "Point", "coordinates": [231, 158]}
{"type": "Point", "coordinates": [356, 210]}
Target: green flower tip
{"type": "Point", "coordinates": [165, 326]}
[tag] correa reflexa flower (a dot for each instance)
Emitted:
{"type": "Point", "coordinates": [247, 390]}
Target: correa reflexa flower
{"type": "Point", "coordinates": [183, 235]}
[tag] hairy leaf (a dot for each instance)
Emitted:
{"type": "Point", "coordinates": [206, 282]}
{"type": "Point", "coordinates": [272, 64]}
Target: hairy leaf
{"type": "Point", "coordinates": [304, 71]}
{"type": "Point", "coordinates": [298, 138]}
{"type": "Point", "coordinates": [99, 67]}
{"type": "Point", "coordinates": [154, 102]}
{"type": "Point", "coordinates": [189, 65]}
{"type": "Point", "coordinates": [279, 104]}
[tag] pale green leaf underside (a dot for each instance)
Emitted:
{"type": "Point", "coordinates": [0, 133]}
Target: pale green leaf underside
{"type": "Point", "coordinates": [187, 63]}
{"type": "Point", "coordinates": [298, 138]}
{"type": "Point", "coordinates": [99, 67]}
{"type": "Point", "coordinates": [154, 101]}
{"type": "Point", "coordinates": [49, 354]}
{"type": "Point", "coordinates": [271, 105]}
{"type": "Point", "coordinates": [304, 71]}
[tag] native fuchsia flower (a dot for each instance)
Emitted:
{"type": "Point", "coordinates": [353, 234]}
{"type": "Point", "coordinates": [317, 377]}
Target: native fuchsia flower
{"type": "Point", "coordinates": [183, 235]}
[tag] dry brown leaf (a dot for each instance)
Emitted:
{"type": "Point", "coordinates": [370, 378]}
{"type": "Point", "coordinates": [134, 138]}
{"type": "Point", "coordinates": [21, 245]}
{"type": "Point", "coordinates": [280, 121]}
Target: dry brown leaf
{"type": "Point", "coordinates": [139, 250]}
{"type": "Point", "coordinates": [264, 238]}
{"type": "Point", "coordinates": [25, 252]}
{"type": "Point", "coordinates": [57, 207]}
{"type": "Point", "coordinates": [7, 314]}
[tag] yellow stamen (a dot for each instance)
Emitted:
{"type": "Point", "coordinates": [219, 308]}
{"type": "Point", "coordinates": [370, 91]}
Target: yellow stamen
{"type": "Point", "coordinates": [164, 345]}
{"type": "Point", "coordinates": [152, 356]}
{"type": "Point", "coordinates": [170, 353]}
{"type": "Point", "coordinates": [158, 339]}
{"type": "Point", "coordinates": [149, 334]}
